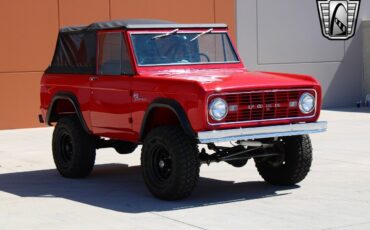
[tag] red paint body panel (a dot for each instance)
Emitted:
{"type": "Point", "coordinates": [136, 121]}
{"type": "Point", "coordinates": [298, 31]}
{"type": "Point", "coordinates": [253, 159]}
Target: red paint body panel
{"type": "Point", "coordinates": [114, 106]}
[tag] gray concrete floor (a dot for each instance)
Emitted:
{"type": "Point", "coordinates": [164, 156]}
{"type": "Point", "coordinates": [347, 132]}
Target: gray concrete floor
{"type": "Point", "coordinates": [335, 195]}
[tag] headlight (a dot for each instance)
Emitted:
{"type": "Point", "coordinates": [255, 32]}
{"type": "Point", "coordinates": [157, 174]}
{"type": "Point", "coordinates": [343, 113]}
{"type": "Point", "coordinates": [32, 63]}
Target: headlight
{"type": "Point", "coordinates": [306, 103]}
{"type": "Point", "coordinates": [218, 109]}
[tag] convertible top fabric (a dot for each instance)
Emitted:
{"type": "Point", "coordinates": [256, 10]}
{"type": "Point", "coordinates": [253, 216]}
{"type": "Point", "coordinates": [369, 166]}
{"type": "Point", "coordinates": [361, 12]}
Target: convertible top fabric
{"type": "Point", "coordinates": [75, 52]}
{"type": "Point", "coordinates": [136, 24]}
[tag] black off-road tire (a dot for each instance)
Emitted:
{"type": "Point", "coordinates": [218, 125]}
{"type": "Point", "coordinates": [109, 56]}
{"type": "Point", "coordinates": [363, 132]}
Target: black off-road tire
{"type": "Point", "coordinates": [295, 165]}
{"type": "Point", "coordinates": [178, 176]}
{"type": "Point", "coordinates": [73, 149]}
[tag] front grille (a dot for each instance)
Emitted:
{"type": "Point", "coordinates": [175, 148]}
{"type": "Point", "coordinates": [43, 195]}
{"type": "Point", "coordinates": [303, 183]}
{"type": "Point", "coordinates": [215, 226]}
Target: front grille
{"type": "Point", "coordinates": [263, 105]}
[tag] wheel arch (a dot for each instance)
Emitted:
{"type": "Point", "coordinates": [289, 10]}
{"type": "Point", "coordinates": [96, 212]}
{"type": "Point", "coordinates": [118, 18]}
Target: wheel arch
{"type": "Point", "coordinates": [52, 115]}
{"type": "Point", "coordinates": [169, 105]}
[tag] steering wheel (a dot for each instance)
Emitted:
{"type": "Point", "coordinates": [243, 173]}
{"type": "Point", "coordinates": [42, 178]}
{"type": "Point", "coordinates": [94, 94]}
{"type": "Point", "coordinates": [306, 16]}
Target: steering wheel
{"type": "Point", "coordinates": [197, 55]}
{"type": "Point", "coordinates": [171, 52]}
{"type": "Point", "coordinates": [205, 55]}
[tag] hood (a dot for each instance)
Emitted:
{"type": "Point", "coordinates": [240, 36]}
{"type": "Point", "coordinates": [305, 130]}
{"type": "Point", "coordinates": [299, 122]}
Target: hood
{"type": "Point", "coordinates": [236, 79]}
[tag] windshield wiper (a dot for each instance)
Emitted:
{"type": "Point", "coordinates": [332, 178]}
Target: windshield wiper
{"type": "Point", "coordinates": [201, 34]}
{"type": "Point", "coordinates": [165, 34]}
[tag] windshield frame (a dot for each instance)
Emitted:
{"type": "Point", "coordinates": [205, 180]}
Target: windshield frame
{"type": "Point", "coordinates": [184, 31]}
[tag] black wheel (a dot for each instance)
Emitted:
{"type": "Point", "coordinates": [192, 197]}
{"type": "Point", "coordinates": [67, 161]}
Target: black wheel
{"type": "Point", "coordinates": [170, 163]}
{"type": "Point", "coordinates": [73, 148]}
{"type": "Point", "coordinates": [292, 166]}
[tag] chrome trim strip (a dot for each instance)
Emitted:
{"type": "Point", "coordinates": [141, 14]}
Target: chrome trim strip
{"type": "Point", "coordinates": [191, 63]}
{"type": "Point", "coordinates": [261, 132]}
{"type": "Point", "coordinates": [263, 91]}
{"type": "Point", "coordinates": [185, 31]}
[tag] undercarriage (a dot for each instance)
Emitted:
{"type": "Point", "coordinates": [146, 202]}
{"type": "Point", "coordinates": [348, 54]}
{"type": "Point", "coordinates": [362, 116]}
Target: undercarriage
{"type": "Point", "coordinates": [239, 153]}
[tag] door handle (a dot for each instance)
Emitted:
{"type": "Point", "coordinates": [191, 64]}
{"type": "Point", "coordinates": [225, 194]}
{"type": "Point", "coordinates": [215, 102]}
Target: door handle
{"type": "Point", "coordinates": [94, 78]}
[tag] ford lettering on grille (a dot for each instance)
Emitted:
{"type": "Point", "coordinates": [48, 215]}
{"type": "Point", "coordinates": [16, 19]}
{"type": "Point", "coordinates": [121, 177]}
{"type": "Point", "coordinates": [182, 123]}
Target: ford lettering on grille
{"type": "Point", "coordinates": [260, 106]}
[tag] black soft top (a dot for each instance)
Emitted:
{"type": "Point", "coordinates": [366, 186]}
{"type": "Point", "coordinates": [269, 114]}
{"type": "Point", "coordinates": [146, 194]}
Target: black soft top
{"type": "Point", "coordinates": [137, 24]}
{"type": "Point", "coordinates": [75, 52]}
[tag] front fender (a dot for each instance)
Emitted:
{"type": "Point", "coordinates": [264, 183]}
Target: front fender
{"type": "Point", "coordinates": [176, 108]}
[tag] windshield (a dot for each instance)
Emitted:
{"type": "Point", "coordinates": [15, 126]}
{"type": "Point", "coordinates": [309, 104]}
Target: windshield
{"type": "Point", "coordinates": [175, 48]}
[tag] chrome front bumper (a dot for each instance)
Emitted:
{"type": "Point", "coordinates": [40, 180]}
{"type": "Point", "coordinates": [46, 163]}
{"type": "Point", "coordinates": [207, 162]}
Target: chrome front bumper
{"type": "Point", "coordinates": [261, 132]}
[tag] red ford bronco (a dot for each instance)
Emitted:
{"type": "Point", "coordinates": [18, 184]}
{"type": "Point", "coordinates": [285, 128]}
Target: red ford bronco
{"type": "Point", "coordinates": [171, 87]}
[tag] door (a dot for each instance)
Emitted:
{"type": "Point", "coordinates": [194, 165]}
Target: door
{"type": "Point", "coordinates": [110, 88]}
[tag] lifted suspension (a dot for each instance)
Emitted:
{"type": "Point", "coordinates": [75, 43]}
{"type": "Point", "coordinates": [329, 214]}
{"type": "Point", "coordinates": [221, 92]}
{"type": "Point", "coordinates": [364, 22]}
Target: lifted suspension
{"type": "Point", "coordinates": [245, 150]}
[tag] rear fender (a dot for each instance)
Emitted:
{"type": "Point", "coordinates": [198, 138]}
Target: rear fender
{"type": "Point", "coordinates": [73, 106]}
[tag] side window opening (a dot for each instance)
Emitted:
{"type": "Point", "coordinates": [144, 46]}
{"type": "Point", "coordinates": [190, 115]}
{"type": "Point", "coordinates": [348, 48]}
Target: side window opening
{"type": "Point", "coordinates": [113, 54]}
{"type": "Point", "coordinates": [75, 54]}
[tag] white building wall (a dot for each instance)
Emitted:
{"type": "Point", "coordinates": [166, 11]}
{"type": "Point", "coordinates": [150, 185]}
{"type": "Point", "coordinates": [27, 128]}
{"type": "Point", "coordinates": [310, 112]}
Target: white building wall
{"type": "Point", "coordinates": [285, 36]}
